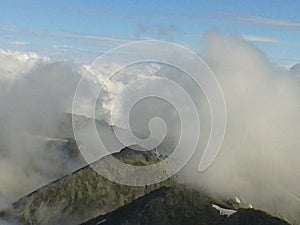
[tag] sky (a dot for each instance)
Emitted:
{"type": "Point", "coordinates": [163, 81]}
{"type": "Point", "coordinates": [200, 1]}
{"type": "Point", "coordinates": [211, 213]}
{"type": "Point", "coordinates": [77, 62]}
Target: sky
{"type": "Point", "coordinates": [84, 29]}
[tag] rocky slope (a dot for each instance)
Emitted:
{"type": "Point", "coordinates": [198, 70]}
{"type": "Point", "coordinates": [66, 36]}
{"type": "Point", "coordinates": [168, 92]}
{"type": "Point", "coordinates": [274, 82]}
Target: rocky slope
{"type": "Point", "coordinates": [252, 217]}
{"type": "Point", "coordinates": [84, 194]}
{"type": "Point", "coordinates": [179, 206]}
{"type": "Point", "coordinates": [80, 196]}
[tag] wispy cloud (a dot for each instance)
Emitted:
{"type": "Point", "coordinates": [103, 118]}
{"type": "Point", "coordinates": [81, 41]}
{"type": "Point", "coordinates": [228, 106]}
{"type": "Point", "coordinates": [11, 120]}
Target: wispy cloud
{"type": "Point", "coordinates": [159, 31]}
{"type": "Point", "coordinates": [60, 35]}
{"type": "Point", "coordinates": [8, 28]}
{"type": "Point", "coordinates": [19, 43]}
{"type": "Point", "coordinates": [62, 45]}
{"type": "Point", "coordinates": [89, 37]}
{"type": "Point", "coordinates": [253, 38]}
{"type": "Point", "coordinates": [269, 22]}
{"type": "Point", "coordinates": [139, 15]}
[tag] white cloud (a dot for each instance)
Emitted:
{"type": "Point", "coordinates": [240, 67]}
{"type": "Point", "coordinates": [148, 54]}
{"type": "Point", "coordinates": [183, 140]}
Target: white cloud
{"type": "Point", "coordinates": [259, 156]}
{"type": "Point", "coordinates": [14, 64]}
{"type": "Point", "coordinates": [19, 43]}
{"type": "Point", "coordinates": [269, 21]}
{"type": "Point", "coordinates": [89, 37]}
{"type": "Point", "coordinates": [34, 94]}
{"type": "Point", "coordinates": [253, 38]}
{"type": "Point", "coordinates": [8, 28]}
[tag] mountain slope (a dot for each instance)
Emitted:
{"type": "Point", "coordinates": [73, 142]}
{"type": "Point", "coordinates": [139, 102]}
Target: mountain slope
{"type": "Point", "coordinates": [179, 205]}
{"type": "Point", "coordinates": [79, 196]}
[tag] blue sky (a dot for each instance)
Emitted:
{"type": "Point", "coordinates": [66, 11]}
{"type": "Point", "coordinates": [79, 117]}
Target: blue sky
{"type": "Point", "coordinates": [88, 27]}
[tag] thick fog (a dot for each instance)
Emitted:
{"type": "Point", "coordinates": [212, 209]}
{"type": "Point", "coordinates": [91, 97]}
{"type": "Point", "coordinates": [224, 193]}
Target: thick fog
{"type": "Point", "coordinates": [34, 95]}
{"type": "Point", "coordinates": [259, 158]}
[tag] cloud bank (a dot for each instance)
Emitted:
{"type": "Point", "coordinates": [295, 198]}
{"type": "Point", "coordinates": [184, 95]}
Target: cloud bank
{"type": "Point", "coordinates": [34, 95]}
{"type": "Point", "coordinates": [259, 158]}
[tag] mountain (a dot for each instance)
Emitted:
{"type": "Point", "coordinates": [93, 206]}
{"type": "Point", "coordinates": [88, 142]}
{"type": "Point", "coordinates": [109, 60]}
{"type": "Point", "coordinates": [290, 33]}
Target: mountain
{"type": "Point", "coordinates": [85, 197]}
{"type": "Point", "coordinates": [252, 217]}
{"type": "Point", "coordinates": [179, 205]}
{"type": "Point", "coordinates": [81, 195]}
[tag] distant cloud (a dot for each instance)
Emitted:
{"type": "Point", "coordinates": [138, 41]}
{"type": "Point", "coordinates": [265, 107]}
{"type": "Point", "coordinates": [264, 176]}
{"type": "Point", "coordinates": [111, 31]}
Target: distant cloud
{"type": "Point", "coordinates": [89, 37]}
{"type": "Point", "coordinates": [159, 31]}
{"type": "Point", "coordinates": [19, 43]}
{"type": "Point", "coordinates": [251, 38]}
{"type": "Point", "coordinates": [260, 39]}
{"type": "Point", "coordinates": [58, 44]}
{"type": "Point", "coordinates": [10, 28]}
{"type": "Point", "coordinates": [59, 35]}
{"type": "Point", "coordinates": [14, 64]}
{"type": "Point", "coordinates": [269, 21]}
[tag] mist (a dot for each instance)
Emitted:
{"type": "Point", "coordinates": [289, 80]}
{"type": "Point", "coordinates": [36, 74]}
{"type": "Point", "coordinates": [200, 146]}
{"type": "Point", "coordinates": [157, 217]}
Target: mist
{"type": "Point", "coordinates": [35, 92]}
{"type": "Point", "coordinates": [259, 158]}
{"type": "Point", "coordinates": [258, 161]}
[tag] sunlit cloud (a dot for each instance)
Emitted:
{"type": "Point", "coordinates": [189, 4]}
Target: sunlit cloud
{"type": "Point", "coordinates": [253, 38]}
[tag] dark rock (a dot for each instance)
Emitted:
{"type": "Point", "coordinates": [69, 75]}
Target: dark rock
{"type": "Point", "coordinates": [165, 206]}
{"type": "Point", "coordinates": [180, 206]}
{"type": "Point", "coordinates": [252, 217]}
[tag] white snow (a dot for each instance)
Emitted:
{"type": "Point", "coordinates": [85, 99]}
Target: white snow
{"type": "Point", "coordinates": [237, 200]}
{"type": "Point", "coordinates": [223, 211]}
